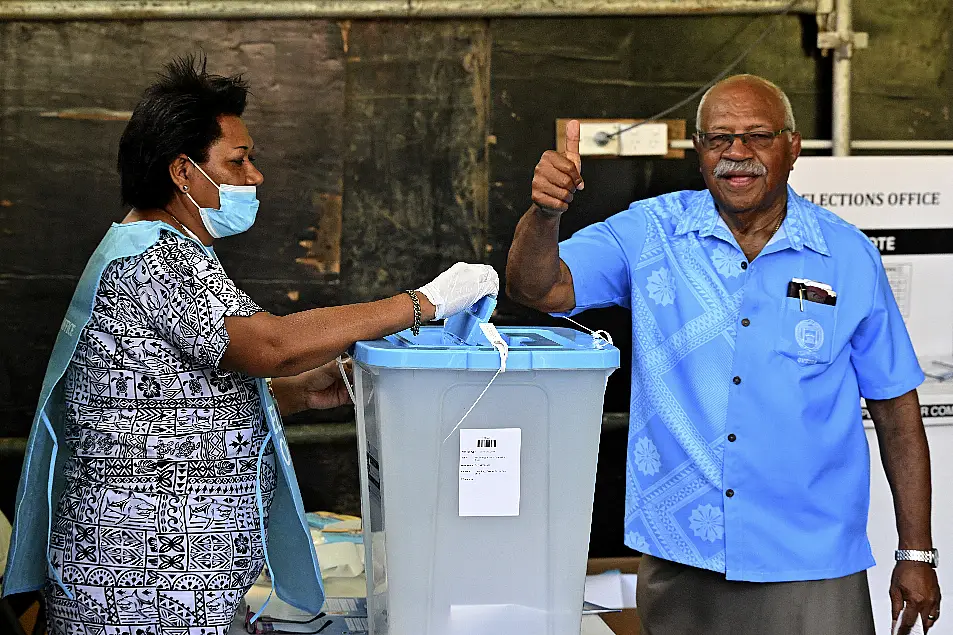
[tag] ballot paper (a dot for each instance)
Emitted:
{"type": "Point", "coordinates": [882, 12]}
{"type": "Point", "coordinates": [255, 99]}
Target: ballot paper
{"type": "Point", "coordinates": [916, 630]}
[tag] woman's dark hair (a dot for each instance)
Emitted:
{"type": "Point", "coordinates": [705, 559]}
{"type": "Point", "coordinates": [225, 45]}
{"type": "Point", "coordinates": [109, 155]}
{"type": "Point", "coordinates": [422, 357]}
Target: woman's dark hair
{"type": "Point", "coordinates": [177, 115]}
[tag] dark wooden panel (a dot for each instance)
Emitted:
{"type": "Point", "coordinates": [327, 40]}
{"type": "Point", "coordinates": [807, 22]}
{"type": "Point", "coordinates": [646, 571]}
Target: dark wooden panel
{"type": "Point", "coordinates": [31, 310]}
{"type": "Point", "coordinates": [415, 180]}
{"type": "Point", "coordinates": [903, 83]}
{"type": "Point", "coordinates": [57, 175]}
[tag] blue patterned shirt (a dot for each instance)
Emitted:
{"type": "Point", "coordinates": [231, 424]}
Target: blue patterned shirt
{"type": "Point", "coordinates": [747, 452]}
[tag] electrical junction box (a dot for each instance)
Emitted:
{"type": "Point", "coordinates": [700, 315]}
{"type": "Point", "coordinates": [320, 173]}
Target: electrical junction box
{"type": "Point", "coordinates": [608, 138]}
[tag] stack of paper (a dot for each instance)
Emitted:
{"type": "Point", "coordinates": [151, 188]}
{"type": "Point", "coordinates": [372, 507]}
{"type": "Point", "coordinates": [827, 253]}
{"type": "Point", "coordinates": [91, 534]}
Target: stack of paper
{"type": "Point", "coordinates": [593, 625]}
{"type": "Point", "coordinates": [612, 591]}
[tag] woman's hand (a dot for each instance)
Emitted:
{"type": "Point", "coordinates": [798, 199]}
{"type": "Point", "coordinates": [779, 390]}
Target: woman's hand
{"type": "Point", "coordinates": [316, 389]}
{"type": "Point", "coordinates": [460, 287]}
{"type": "Point", "coordinates": [324, 387]}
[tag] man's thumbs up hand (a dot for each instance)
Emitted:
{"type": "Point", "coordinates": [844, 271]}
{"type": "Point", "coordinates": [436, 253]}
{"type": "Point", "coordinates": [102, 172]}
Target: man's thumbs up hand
{"type": "Point", "coordinates": [558, 175]}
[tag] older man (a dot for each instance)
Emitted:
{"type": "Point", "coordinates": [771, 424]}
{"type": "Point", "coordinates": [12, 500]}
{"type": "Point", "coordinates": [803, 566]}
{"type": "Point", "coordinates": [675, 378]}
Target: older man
{"type": "Point", "coordinates": [759, 320]}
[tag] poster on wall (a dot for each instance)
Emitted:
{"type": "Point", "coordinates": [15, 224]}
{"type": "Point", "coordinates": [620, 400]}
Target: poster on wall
{"type": "Point", "coordinates": [905, 206]}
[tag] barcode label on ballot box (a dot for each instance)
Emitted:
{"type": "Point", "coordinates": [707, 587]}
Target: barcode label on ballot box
{"type": "Point", "coordinates": [490, 472]}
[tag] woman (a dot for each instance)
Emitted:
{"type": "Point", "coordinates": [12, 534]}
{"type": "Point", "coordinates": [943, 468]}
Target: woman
{"type": "Point", "coordinates": [162, 504]}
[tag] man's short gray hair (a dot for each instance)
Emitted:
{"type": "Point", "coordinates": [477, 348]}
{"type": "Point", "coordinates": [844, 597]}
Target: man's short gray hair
{"type": "Point", "coordinates": [788, 111]}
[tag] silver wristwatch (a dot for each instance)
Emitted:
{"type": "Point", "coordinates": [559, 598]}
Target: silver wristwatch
{"type": "Point", "coordinates": [931, 557]}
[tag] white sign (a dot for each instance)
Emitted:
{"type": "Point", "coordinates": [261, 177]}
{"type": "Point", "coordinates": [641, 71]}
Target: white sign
{"type": "Point", "coordinates": [490, 472]}
{"type": "Point", "coordinates": [880, 192]}
{"type": "Point", "coordinates": [905, 206]}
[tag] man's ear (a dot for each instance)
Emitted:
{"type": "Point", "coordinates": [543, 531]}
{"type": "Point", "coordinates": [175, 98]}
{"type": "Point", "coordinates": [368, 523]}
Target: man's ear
{"type": "Point", "coordinates": [795, 147]}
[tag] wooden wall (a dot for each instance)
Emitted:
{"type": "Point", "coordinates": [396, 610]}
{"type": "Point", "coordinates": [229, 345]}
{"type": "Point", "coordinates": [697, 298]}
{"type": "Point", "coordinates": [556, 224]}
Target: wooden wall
{"type": "Point", "coordinates": [390, 150]}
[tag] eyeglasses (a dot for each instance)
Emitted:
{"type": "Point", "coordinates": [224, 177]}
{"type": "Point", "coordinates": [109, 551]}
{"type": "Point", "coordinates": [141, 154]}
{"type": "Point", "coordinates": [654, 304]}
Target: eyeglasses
{"type": "Point", "coordinates": [720, 141]}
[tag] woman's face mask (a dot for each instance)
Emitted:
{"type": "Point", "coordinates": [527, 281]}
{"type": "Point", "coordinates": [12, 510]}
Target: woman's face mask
{"type": "Point", "coordinates": [238, 207]}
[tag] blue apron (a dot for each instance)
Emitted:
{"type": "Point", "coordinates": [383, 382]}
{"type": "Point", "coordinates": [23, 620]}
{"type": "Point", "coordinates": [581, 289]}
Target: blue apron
{"type": "Point", "coordinates": [292, 562]}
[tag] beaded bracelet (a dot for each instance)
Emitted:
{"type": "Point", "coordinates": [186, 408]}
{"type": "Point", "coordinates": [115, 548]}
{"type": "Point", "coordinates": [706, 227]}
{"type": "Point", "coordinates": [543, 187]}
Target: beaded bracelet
{"type": "Point", "coordinates": [415, 329]}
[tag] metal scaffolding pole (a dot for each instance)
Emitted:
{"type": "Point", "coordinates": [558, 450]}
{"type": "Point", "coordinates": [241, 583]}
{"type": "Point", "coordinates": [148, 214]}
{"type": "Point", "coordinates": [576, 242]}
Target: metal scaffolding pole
{"type": "Point", "coordinates": [357, 9]}
{"type": "Point", "coordinates": [840, 130]}
{"type": "Point", "coordinates": [840, 38]}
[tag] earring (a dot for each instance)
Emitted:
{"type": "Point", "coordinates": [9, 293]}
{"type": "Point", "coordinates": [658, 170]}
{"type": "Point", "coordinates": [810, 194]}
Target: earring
{"type": "Point", "coordinates": [185, 188]}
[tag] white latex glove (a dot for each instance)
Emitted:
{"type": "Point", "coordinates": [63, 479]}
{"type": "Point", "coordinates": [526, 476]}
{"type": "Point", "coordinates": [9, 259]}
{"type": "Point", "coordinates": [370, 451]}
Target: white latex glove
{"type": "Point", "coordinates": [460, 287]}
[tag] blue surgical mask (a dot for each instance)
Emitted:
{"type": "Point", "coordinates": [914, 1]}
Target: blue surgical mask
{"type": "Point", "coordinates": [238, 207]}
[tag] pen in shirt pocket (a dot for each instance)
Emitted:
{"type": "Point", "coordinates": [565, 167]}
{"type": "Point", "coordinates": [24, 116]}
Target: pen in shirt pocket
{"type": "Point", "coordinates": [811, 291]}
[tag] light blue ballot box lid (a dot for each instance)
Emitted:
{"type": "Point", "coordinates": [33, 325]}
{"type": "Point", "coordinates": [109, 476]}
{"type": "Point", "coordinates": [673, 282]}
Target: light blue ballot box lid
{"type": "Point", "coordinates": [530, 348]}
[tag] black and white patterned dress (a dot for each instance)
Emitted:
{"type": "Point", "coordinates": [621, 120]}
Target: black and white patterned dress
{"type": "Point", "coordinates": [157, 532]}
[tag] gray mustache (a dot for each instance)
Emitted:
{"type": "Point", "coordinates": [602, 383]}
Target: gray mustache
{"type": "Point", "coordinates": [748, 167]}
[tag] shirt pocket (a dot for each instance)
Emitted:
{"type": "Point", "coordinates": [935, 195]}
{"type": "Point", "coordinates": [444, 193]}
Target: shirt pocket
{"type": "Point", "coordinates": [806, 336]}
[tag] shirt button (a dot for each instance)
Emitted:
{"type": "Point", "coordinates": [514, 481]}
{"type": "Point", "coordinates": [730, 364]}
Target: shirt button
{"type": "Point", "coordinates": [745, 322]}
{"type": "Point", "coordinates": [729, 493]}
{"type": "Point", "coordinates": [737, 380]}
{"type": "Point", "coordinates": [732, 437]}
{"type": "Point", "coordinates": [744, 265]}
